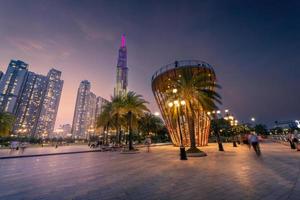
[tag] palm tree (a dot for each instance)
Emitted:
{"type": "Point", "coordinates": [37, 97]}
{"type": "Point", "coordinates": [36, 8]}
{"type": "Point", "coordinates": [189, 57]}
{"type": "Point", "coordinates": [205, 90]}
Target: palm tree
{"type": "Point", "coordinates": [116, 109]}
{"type": "Point", "coordinates": [134, 108]}
{"type": "Point", "coordinates": [105, 119]}
{"type": "Point", "coordinates": [150, 123]}
{"type": "Point", "coordinates": [198, 91]}
{"type": "Point", "coordinates": [6, 123]}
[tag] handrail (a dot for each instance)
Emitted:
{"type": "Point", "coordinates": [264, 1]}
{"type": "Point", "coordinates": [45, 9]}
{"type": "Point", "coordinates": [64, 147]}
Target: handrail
{"type": "Point", "coordinates": [181, 63]}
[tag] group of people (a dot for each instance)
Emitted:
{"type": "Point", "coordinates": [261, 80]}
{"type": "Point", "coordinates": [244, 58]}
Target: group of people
{"type": "Point", "coordinates": [18, 146]}
{"type": "Point", "coordinates": [293, 138]}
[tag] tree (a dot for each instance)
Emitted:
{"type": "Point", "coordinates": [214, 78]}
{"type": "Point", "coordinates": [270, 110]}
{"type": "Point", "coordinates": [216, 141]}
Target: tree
{"type": "Point", "coordinates": [134, 108]}
{"type": "Point", "coordinates": [150, 123]}
{"type": "Point", "coordinates": [198, 91]}
{"type": "Point", "coordinates": [105, 119]}
{"type": "Point", "coordinates": [261, 129]}
{"type": "Point", "coordinates": [117, 104]}
{"type": "Point", "coordinates": [6, 123]}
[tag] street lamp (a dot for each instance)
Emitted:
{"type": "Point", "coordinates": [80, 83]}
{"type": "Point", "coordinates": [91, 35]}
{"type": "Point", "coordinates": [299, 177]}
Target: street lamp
{"type": "Point", "coordinates": [177, 106]}
{"type": "Point", "coordinates": [156, 114]}
{"type": "Point", "coordinates": [215, 117]}
{"type": "Point", "coordinates": [253, 119]}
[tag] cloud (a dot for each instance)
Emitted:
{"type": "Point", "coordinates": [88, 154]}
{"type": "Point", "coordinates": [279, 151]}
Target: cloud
{"type": "Point", "coordinates": [45, 47]}
{"type": "Point", "coordinates": [26, 45]}
{"type": "Point", "coordinates": [91, 33]}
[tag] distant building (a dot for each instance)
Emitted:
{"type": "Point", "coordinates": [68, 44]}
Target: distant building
{"type": "Point", "coordinates": [11, 85]}
{"type": "Point", "coordinates": [99, 108]}
{"type": "Point", "coordinates": [80, 122]}
{"type": "Point", "coordinates": [50, 103]}
{"type": "Point", "coordinates": [1, 74]}
{"type": "Point", "coordinates": [122, 70]}
{"type": "Point", "coordinates": [29, 108]}
{"type": "Point", "coordinates": [91, 117]}
{"type": "Point", "coordinates": [64, 131]}
{"type": "Point", "coordinates": [32, 98]}
{"type": "Point", "coordinates": [87, 109]}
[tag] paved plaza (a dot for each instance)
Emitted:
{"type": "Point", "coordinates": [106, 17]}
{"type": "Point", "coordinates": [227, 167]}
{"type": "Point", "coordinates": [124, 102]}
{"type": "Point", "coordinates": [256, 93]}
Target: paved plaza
{"type": "Point", "coordinates": [234, 174]}
{"type": "Point", "coordinates": [44, 150]}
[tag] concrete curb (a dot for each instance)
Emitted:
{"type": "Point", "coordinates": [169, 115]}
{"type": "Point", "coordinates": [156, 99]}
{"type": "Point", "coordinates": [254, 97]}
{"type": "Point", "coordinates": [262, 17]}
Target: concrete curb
{"type": "Point", "coordinates": [47, 154]}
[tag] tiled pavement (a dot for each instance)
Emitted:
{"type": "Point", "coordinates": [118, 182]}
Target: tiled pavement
{"type": "Point", "coordinates": [234, 174]}
{"type": "Point", "coordinates": [44, 150]}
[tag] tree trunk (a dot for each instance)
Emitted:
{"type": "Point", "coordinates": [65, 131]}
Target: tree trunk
{"type": "Point", "coordinates": [216, 130]}
{"type": "Point", "coordinates": [191, 124]}
{"type": "Point", "coordinates": [130, 130]}
{"type": "Point", "coordinates": [117, 129]}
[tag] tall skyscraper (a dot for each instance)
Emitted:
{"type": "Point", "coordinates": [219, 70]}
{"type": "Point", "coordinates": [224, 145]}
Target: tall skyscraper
{"type": "Point", "coordinates": [80, 122]}
{"type": "Point", "coordinates": [122, 70]}
{"type": "Point", "coordinates": [31, 97]}
{"type": "Point", "coordinates": [49, 107]}
{"type": "Point", "coordinates": [87, 109]}
{"type": "Point", "coordinates": [11, 85]}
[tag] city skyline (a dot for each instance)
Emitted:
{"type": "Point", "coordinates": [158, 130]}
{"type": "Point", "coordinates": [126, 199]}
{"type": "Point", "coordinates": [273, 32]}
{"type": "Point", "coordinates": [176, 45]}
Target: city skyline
{"type": "Point", "coordinates": [252, 48]}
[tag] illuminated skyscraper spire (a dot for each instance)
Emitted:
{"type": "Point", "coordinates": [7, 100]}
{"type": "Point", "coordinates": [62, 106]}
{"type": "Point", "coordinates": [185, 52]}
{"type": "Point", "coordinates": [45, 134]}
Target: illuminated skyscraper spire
{"type": "Point", "coordinates": [122, 70]}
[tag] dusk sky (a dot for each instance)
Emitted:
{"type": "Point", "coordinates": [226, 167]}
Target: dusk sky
{"type": "Point", "coordinates": [254, 47]}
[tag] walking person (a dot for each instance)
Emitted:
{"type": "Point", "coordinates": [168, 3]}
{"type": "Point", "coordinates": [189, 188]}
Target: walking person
{"type": "Point", "coordinates": [254, 141]}
{"type": "Point", "coordinates": [290, 138]}
{"type": "Point", "coordinates": [296, 140]}
{"type": "Point", "coordinates": [248, 140]}
{"type": "Point", "coordinates": [148, 143]}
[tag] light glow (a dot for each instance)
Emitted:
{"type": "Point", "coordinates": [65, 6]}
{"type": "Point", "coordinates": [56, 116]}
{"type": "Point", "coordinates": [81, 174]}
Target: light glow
{"type": "Point", "coordinates": [156, 113]}
{"type": "Point", "coordinates": [176, 103]}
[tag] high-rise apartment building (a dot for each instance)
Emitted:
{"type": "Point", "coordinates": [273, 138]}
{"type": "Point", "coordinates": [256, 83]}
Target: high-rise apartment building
{"type": "Point", "coordinates": [91, 116]}
{"type": "Point", "coordinates": [11, 85]}
{"type": "Point", "coordinates": [80, 122]}
{"type": "Point", "coordinates": [1, 74]}
{"type": "Point", "coordinates": [31, 97]}
{"type": "Point", "coordinates": [99, 108]}
{"type": "Point", "coordinates": [87, 109]}
{"type": "Point", "coordinates": [99, 105]}
{"type": "Point", "coordinates": [29, 108]}
{"type": "Point", "coordinates": [46, 122]}
{"type": "Point", "coordinates": [122, 70]}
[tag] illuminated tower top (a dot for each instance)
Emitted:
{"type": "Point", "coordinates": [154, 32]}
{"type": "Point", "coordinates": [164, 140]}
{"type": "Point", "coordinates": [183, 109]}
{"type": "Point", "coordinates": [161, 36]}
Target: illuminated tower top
{"type": "Point", "coordinates": [123, 41]}
{"type": "Point", "coordinates": [122, 70]}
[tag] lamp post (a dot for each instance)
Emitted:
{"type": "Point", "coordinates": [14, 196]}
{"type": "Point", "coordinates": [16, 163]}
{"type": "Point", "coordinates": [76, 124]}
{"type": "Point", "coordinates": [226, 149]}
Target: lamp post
{"type": "Point", "coordinates": [253, 122]}
{"type": "Point", "coordinates": [233, 122]}
{"type": "Point", "coordinates": [216, 128]}
{"type": "Point", "coordinates": [177, 106]}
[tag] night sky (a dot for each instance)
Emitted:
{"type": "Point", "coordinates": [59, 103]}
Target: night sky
{"type": "Point", "coordinates": [254, 47]}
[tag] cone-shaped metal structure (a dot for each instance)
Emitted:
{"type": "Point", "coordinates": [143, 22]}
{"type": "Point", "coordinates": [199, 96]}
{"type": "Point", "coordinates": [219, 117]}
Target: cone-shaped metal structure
{"type": "Point", "coordinates": [162, 86]}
